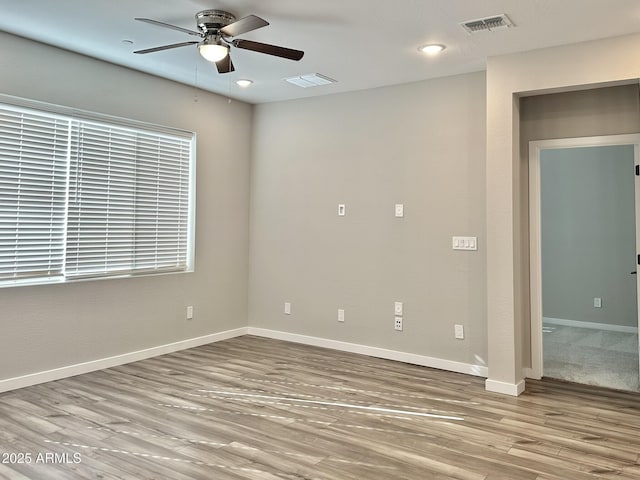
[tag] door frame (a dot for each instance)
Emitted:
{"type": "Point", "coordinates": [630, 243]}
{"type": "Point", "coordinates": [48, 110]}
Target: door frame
{"type": "Point", "coordinates": [535, 257]}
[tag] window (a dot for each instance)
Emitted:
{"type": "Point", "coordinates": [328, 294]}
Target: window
{"type": "Point", "coordinates": [84, 197]}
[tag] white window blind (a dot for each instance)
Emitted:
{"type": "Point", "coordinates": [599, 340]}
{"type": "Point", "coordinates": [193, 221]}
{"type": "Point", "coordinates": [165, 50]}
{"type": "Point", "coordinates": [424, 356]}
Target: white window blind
{"type": "Point", "coordinates": [33, 180]}
{"type": "Point", "coordinates": [82, 198]}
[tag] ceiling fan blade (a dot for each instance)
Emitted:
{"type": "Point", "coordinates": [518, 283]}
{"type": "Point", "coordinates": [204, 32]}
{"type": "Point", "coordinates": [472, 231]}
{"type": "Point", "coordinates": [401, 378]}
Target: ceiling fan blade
{"type": "Point", "coordinates": [268, 49]}
{"type": "Point", "coordinates": [165, 47]}
{"type": "Point", "coordinates": [168, 25]}
{"type": "Point", "coordinates": [225, 65]}
{"type": "Point", "coordinates": [244, 25]}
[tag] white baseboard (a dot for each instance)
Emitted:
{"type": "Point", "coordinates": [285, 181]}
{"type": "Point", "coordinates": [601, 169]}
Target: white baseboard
{"type": "Point", "coordinates": [116, 360]}
{"type": "Point", "coordinates": [513, 389]}
{"type": "Point", "coordinates": [597, 326]}
{"type": "Point", "coordinates": [452, 366]}
{"type": "Point", "coordinates": [86, 367]}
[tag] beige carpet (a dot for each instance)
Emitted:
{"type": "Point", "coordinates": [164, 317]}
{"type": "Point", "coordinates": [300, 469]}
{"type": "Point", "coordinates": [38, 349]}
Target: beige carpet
{"type": "Point", "coordinates": [592, 357]}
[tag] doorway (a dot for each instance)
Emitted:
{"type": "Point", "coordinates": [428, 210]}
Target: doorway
{"type": "Point", "coordinates": [584, 241]}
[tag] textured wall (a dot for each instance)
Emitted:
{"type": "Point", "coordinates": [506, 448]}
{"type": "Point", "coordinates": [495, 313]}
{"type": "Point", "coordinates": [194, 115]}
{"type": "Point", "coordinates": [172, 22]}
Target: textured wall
{"type": "Point", "coordinates": [420, 144]}
{"type": "Point", "coordinates": [46, 327]}
{"type": "Point", "coordinates": [588, 234]}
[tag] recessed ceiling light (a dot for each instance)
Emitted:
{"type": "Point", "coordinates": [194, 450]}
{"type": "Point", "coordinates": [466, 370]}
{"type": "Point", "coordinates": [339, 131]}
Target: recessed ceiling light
{"type": "Point", "coordinates": [244, 82]}
{"type": "Point", "coordinates": [432, 48]}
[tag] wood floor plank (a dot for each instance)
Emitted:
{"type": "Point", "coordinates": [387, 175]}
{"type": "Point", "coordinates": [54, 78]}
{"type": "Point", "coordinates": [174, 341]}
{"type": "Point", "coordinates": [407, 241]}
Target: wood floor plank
{"type": "Point", "coordinates": [255, 408]}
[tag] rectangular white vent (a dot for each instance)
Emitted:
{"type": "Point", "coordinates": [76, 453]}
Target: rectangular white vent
{"type": "Point", "coordinates": [487, 24]}
{"type": "Point", "coordinates": [310, 80]}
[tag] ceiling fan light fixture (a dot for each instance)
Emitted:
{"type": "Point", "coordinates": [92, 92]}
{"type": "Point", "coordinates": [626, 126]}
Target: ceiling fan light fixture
{"type": "Point", "coordinates": [432, 48]}
{"type": "Point", "coordinates": [213, 50]}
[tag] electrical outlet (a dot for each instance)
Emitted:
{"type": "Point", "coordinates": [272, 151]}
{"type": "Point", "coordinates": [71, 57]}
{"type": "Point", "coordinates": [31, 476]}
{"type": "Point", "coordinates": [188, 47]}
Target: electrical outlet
{"type": "Point", "coordinates": [340, 315]}
{"type": "Point", "coordinates": [287, 308]}
{"type": "Point", "coordinates": [398, 323]}
{"type": "Point", "coordinates": [459, 331]}
{"type": "Point", "coordinates": [189, 312]}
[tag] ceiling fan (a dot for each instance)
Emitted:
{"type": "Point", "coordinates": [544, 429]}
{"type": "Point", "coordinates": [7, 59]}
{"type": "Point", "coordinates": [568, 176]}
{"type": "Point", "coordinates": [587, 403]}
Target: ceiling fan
{"type": "Point", "coordinates": [218, 30]}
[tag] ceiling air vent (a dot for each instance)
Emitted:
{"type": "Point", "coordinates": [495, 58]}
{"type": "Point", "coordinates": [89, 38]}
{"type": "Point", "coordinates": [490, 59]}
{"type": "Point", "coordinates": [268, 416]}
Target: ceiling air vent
{"type": "Point", "coordinates": [487, 24]}
{"type": "Point", "coordinates": [310, 80]}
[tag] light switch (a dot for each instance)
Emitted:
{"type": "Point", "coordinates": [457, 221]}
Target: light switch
{"type": "Point", "coordinates": [399, 210]}
{"type": "Point", "coordinates": [287, 308]}
{"type": "Point", "coordinates": [397, 308]}
{"type": "Point", "coordinates": [464, 243]}
{"type": "Point", "coordinates": [341, 315]}
{"type": "Point", "coordinates": [342, 210]}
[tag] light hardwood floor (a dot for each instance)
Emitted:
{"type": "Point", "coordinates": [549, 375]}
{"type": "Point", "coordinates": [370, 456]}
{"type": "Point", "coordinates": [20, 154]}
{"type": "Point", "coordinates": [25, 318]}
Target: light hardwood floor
{"type": "Point", "coordinates": [254, 408]}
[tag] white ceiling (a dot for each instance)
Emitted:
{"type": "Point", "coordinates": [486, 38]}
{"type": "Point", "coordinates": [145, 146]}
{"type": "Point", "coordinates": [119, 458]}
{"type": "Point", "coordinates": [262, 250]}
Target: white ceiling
{"type": "Point", "coordinates": [360, 43]}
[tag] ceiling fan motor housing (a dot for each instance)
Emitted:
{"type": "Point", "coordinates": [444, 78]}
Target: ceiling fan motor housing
{"type": "Point", "coordinates": [211, 21]}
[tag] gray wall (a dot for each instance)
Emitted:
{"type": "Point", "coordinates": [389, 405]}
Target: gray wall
{"type": "Point", "coordinates": [45, 327]}
{"type": "Point", "coordinates": [419, 144]}
{"type": "Point", "coordinates": [588, 234]}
